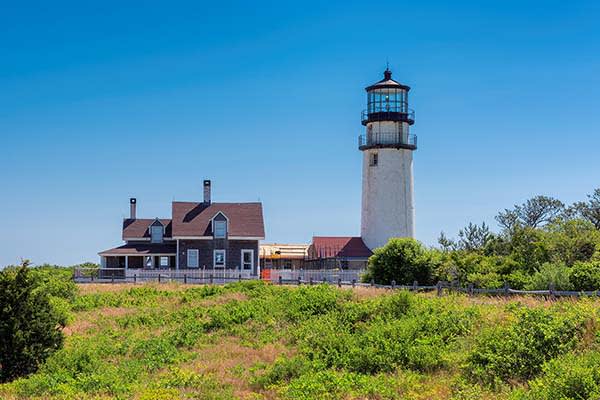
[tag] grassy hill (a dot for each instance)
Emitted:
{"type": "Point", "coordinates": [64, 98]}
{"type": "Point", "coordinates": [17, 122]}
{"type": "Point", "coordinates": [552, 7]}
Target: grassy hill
{"type": "Point", "coordinates": [257, 341]}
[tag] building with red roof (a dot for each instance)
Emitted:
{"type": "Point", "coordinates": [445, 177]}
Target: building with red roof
{"type": "Point", "coordinates": [199, 235]}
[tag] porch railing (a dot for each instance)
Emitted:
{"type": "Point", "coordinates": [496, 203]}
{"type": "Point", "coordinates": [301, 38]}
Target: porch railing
{"type": "Point", "coordinates": [114, 275]}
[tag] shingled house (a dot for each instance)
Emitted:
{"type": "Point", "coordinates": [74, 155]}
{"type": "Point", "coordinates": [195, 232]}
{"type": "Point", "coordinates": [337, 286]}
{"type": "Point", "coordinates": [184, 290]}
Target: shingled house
{"type": "Point", "coordinates": [199, 235]}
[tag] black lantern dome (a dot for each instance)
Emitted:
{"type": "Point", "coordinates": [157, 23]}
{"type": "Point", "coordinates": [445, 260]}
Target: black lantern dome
{"type": "Point", "coordinates": [387, 100]}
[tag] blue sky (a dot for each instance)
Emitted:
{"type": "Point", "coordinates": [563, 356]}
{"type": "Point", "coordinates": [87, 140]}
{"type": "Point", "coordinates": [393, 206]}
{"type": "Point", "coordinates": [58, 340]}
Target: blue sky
{"type": "Point", "coordinates": [102, 102]}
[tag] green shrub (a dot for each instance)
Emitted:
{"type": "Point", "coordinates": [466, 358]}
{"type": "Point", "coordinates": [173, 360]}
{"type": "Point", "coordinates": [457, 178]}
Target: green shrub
{"type": "Point", "coordinates": [517, 350]}
{"type": "Point", "coordinates": [571, 376]}
{"type": "Point", "coordinates": [551, 274]}
{"type": "Point", "coordinates": [402, 260]}
{"type": "Point", "coordinates": [30, 327]}
{"type": "Point", "coordinates": [399, 331]}
{"type": "Point", "coordinates": [330, 385]}
{"type": "Point", "coordinates": [585, 275]}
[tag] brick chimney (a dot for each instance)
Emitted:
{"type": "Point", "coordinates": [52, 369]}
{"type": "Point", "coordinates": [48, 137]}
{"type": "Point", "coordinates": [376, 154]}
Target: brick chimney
{"type": "Point", "coordinates": [132, 204]}
{"type": "Point", "coordinates": [206, 191]}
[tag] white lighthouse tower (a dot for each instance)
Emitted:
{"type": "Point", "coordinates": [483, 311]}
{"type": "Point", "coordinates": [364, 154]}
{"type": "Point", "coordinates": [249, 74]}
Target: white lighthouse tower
{"type": "Point", "coordinates": [387, 177]}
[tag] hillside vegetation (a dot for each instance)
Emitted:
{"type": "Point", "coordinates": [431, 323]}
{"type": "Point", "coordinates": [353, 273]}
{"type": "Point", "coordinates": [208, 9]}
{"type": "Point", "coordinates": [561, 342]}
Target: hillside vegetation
{"type": "Point", "coordinates": [258, 341]}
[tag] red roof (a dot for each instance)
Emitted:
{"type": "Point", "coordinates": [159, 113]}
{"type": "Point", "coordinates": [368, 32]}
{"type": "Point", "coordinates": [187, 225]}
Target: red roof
{"type": "Point", "coordinates": [142, 249]}
{"type": "Point", "coordinates": [140, 228]}
{"type": "Point", "coordinates": [338, 246]}
{"type": "Point", "coordinates": [194, 219]}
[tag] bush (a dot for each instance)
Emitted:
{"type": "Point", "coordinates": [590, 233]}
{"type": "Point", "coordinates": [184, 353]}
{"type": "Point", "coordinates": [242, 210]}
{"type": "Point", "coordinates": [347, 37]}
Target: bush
{"type": "Point", "coordinates": [30, 327]}
{"type": "Point", "coordinates": [585, 275]}
{"type": "Point", "coordinates": [401, 260]}
{"type": "Point", "coordinates": [551, 274]}
{"type": "Point", "coordinates": [518, 350]}
{"type": "Point", "coordinates": [571, 376]}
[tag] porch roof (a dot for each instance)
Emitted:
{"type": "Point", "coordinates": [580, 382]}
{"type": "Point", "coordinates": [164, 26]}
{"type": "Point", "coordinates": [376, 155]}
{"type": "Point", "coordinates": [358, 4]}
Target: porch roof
{"type": "Point", "coordinates": [141, 249]}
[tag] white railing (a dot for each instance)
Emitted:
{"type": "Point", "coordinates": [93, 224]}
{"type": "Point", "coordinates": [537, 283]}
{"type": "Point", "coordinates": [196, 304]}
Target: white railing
{"type": "Point", "coordinates": [83, 275]}
{"type": "Point", "coordinates": [317, 275]}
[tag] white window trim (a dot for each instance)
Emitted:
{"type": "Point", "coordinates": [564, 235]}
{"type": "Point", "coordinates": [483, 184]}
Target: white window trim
{"type": "Point", "coordinates": [215, 258]}
{"type": "Point", "coordinates": [215, 229]}
{"type": "Point", "coordinates": [162, 235]}
{"type": "Point", "coordinates": [197, 258]}
{"type": "Point", "coordinates": [251, 251]}
{"type": "Point", "coordinates": [212, 223]}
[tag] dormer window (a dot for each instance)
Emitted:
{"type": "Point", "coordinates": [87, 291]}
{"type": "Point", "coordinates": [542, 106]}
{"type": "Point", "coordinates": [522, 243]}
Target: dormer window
{"type": "Point", "coordinates": [157, 231]}
{"type": "Point", "coordinates": [220, 229]}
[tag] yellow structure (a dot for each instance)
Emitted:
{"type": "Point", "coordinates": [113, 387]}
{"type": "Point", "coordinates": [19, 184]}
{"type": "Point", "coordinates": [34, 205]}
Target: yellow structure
{"type": "Point", "coordinates": [282, 256]}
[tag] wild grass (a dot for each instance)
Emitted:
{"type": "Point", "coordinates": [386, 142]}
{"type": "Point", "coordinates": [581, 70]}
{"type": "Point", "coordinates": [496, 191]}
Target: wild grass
{"type": "Point", "coordinates": [257, 341]}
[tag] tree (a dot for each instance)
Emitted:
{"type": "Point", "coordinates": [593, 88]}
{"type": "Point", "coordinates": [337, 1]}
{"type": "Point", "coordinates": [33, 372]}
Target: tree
{"type": "Point", "coordinates": [474, 237]}
{"type": "Point", "coordinates": [585, 275]}
{"type": "Point", "coordinates": [30, 329]}
{"type": "Point", "coordinates": [534, 213]}
{"type": "Point", "coordinates": [590, 209]}
{"type": "Point", "coordinates": [402, 260]}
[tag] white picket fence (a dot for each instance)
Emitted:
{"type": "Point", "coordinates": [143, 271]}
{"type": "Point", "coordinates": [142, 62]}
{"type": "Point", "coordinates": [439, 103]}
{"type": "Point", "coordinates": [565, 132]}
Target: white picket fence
{"type": "Point", "coordinates": [317, 275]}
{"type": "Point", "coordinates": [115, 275]}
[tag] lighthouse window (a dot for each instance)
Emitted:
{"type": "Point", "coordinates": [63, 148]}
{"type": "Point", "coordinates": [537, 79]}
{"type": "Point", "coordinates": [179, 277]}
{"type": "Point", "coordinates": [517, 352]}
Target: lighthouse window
{"type": "Point", "coordinates": [374, 159]}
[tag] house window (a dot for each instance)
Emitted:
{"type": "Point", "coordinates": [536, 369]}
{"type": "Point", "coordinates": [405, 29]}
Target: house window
{"type": "Point", "coordinates": [156, 234]}
{"type": "Point", "coordinates": [219, 259]}
{"type": "Point", "coordinates": [248, 259]}
{"type": "Point", "coordinates": [192, 258]}
{"type": "Point", "coordinates": [164, 261]}
{"type": "Point", "coordinates": [220, 231]}
{"type": "Point", "coordinates": [373, 159]}
{"type": "Point", "coordinates": [148, 261]}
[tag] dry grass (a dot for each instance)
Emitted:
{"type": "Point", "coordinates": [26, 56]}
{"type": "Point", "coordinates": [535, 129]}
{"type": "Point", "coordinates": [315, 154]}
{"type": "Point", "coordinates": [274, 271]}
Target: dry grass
{"type": "Point", "coordinates": [230, 361]}
{"type": "Point", "coordinates": [89, 288]}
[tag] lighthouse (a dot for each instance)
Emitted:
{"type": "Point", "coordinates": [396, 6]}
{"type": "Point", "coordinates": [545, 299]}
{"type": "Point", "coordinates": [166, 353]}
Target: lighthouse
{"type": "Point", "coordinates": [388, 209]}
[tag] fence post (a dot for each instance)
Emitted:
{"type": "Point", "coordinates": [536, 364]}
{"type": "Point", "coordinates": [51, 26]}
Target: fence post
{"type": "Point", "coordinates": [439, 289]}
{"type": "Point", "coordinates": [280, 279]}
{"type": "Point", "coordinates": [184, 278]}
{"type": "Point", "coordinates": [372, 282]}
{"type": "Point", "coordinates": [239, 277]}
{"type": "Point", "coordinates": [299, 281]}
{"type": "Point", "coordinates": [159, 277]}
{"type": "Point", "coordinates": [339, 282]}
{"type": "Point", "coordinates": [415, 286]}
{"type": "Point", "coordinates": [393, 284]}
{"type": "Point", "coordinates": [134, 278]}
{"type": "Point", "coordinates": [551, 291]}
{"type": "Point", "coordinates": [112, 278]}
{"type": "Point", "coordinates": [310, 280]}
{"type": "Point", "coordinates": [506, 289]}
{"type": "Point", "coordinates": [210, 279]}
{"type": "Point", "coordinates": [471, 289]}
{"type": "Point", "coordinates": [353, 282]}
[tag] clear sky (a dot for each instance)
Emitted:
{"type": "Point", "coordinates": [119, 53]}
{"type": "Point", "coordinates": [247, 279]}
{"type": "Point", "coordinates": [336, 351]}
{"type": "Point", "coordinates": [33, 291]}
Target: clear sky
{"type": "Point", "coordinates": [117, 99]}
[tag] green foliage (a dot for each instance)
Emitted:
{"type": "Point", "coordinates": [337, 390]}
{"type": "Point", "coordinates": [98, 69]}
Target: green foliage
{"type": "Point", "coordinates": [551, 274]}
{"type": "Point", "coordinates": [29, 324]}
{"type": "Point", "coordinates": [401, 260]}
{"type": "Point", "coordinates": [586, 275]}
{"type": "Point", "coordinates": [518, 350]}
{"type": "Point", "coordinates": [398, 332]}
{"type": "Point", "coordinates": [145, 342]}
{"type": "Point", "coordinates": [572, 376]}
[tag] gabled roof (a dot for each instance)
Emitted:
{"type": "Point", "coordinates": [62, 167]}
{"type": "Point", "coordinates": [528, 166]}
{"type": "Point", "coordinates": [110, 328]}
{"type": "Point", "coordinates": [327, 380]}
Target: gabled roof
{"type": "Point", "coordinates": [194, 219]}
{"type": "Point", "coordinates": [139, 228]}
{"type": "Point", "coordinates": [138, 249]}
{"type": "Point", "coordinates": [338, 246]}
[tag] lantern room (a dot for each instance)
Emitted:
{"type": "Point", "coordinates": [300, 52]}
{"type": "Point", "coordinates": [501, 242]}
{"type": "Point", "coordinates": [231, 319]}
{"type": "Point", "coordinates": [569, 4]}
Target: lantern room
{"type": "Point", "coordinates": [387, 100]}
